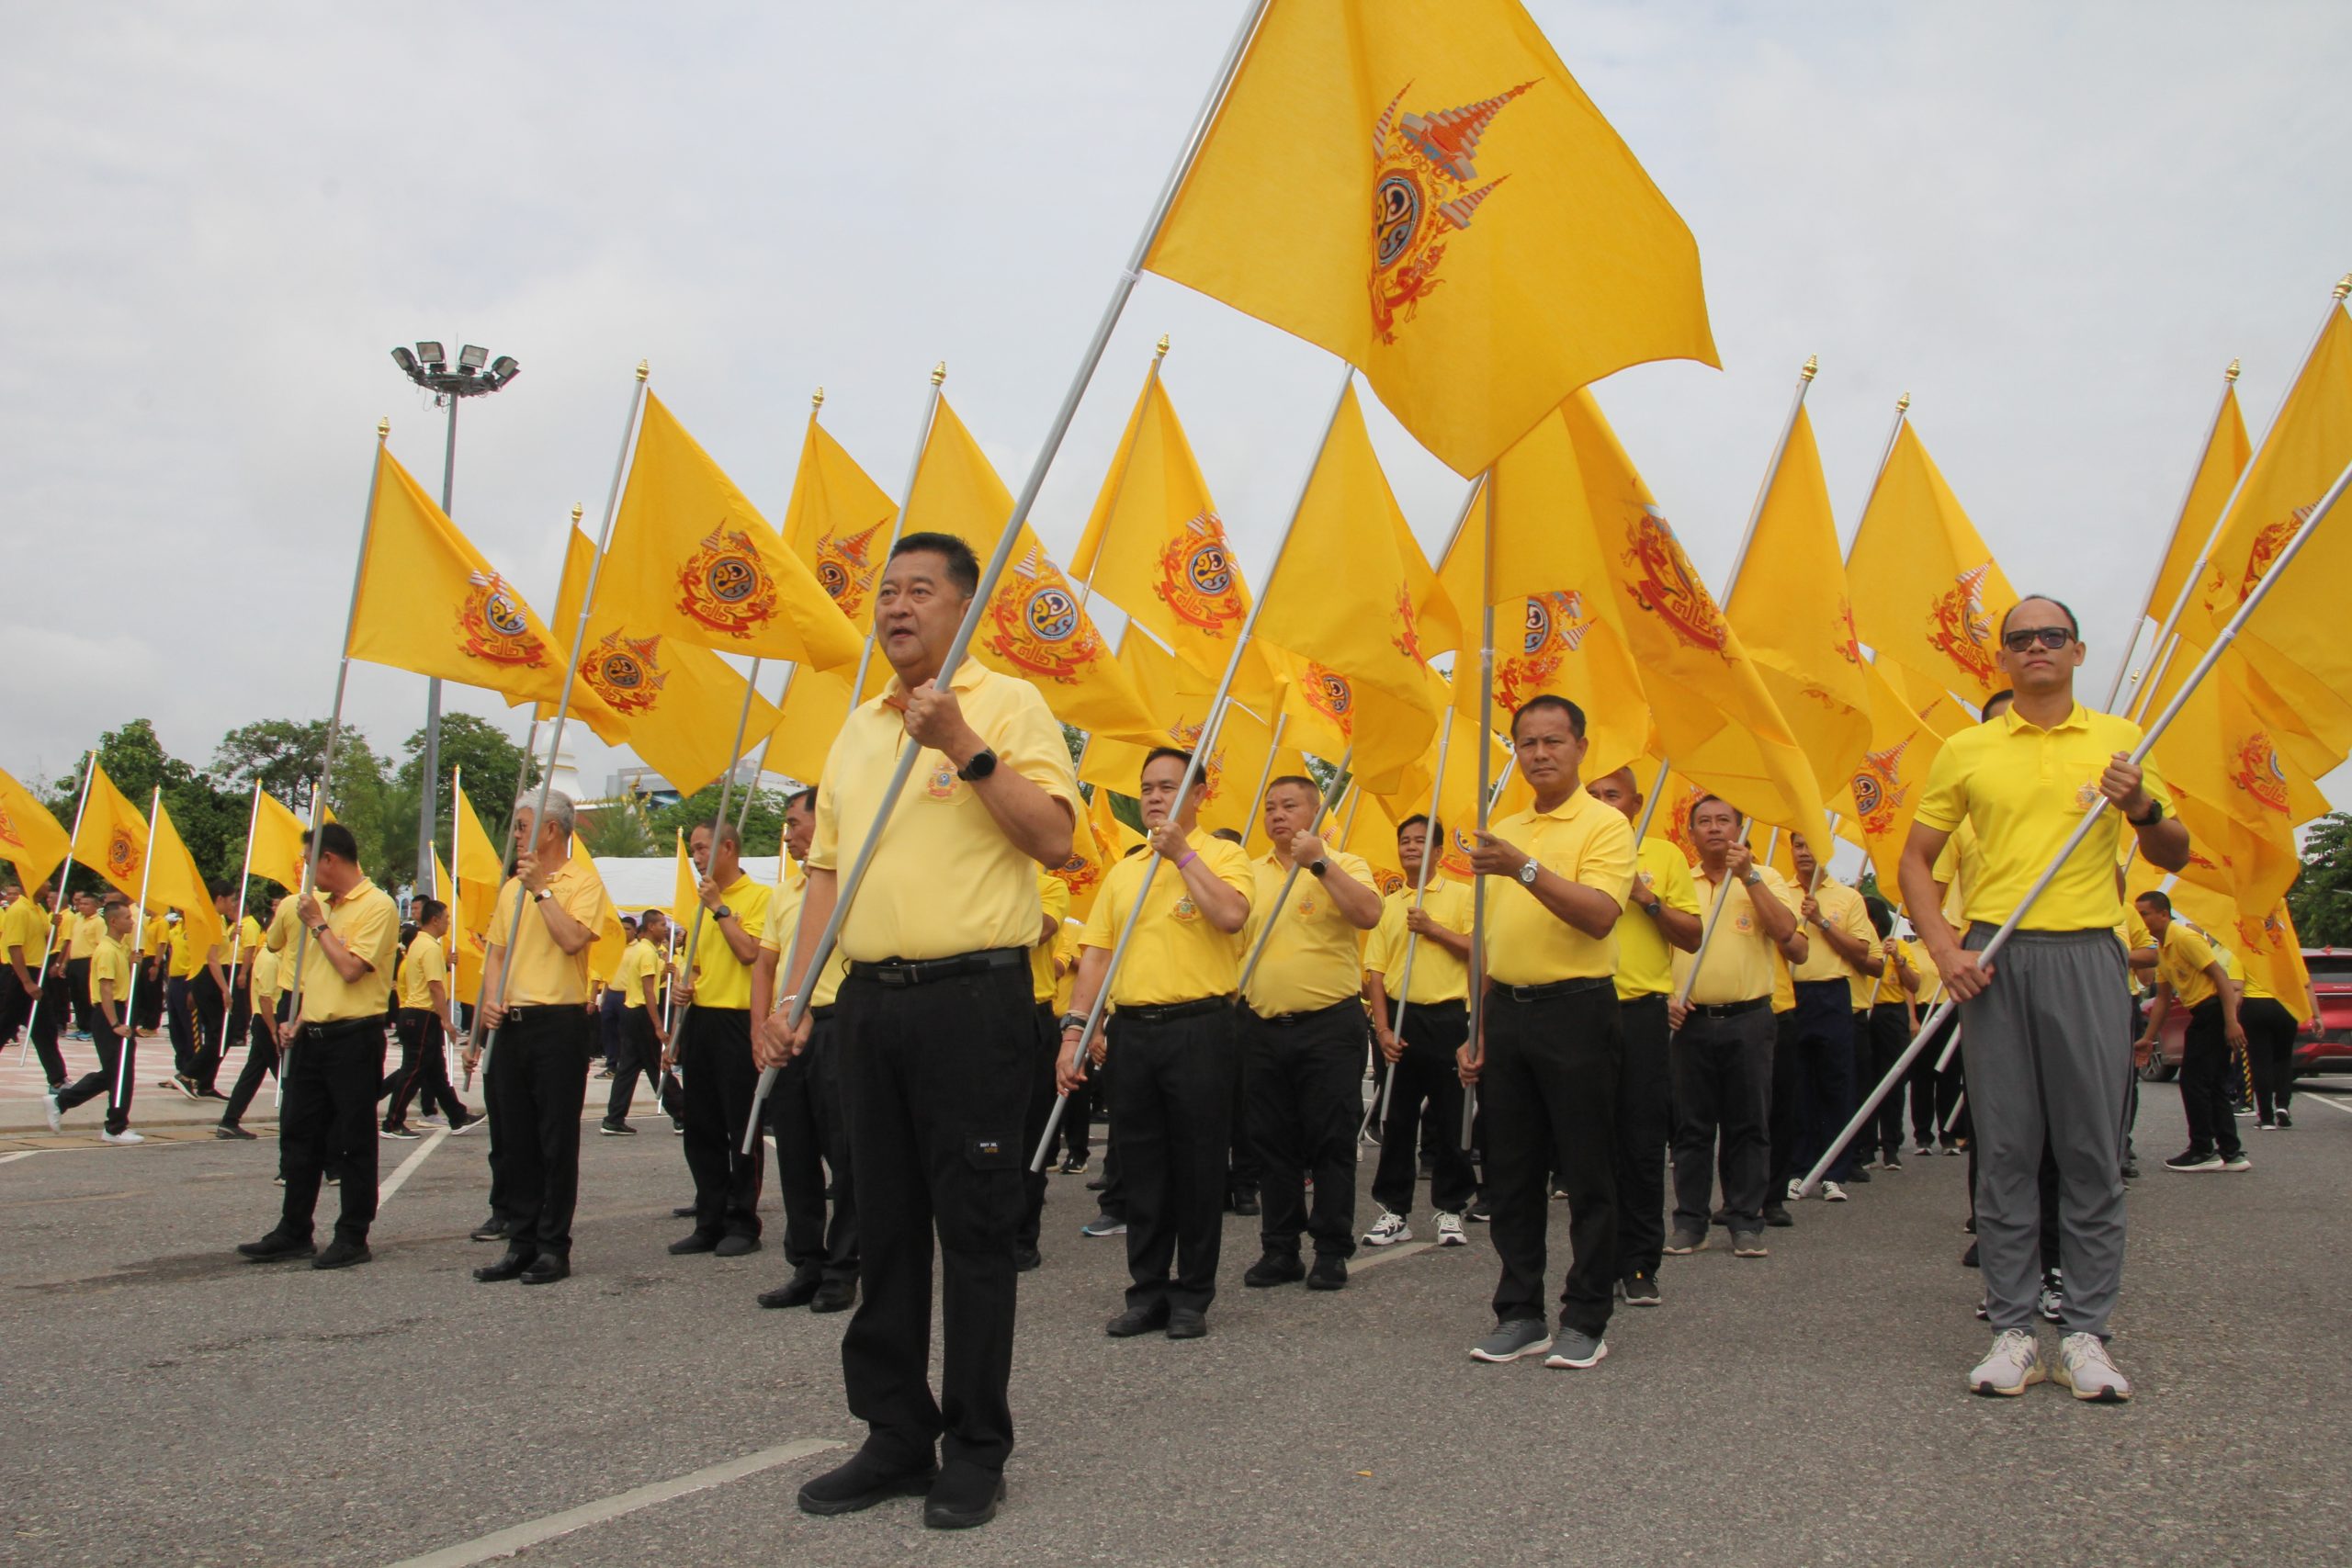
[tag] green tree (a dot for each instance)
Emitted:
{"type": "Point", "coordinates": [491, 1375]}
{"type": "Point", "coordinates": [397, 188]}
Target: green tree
{"type": "Point", "coordinates": [488, 762]}
{"type": "Point", "coordinates": [282, 755]}
{"type": "Point", "coordinates": [619, 830]}
{"type": "Point", "coordinates": [2321, 900]}
{"type": "Point", "coordinates": [210, 822]}
{"type": "Point", "coordinates": [762, 827]}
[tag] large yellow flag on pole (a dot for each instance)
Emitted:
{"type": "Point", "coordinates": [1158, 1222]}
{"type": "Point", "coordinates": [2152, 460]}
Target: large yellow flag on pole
{"type": "Point", "coordinates": [1177, 694]}
{"type": "Point", "coordinates": [1886, 784]}
{"type": "Point", "coordinates": [1926, 591]}
{"type": "Point", "coordinates": [111, 837]}
{"type": "Point", "coordinates": [2241, 799]}
{"type": "Point", "coordinates": [480, 863]}
{"type": "Point", "coordinates": [838, 520]}
{"type": "Point", "coordinates": [179, 883]}
{"type": "Point", "coordinates": [1421, 188]}
{"type": "Point", "coordinates": [690, 559]}
{"type": "Point", "coordinates": [2265, 943]}
{"type": "Point", "coordinates": [2223, 460]}
{"type": "Point", "coordinates": [30, 838]}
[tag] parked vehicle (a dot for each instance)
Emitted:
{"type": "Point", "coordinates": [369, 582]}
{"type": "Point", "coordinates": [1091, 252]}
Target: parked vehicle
{"type": "Point", "coordinates": [2325, 1045]}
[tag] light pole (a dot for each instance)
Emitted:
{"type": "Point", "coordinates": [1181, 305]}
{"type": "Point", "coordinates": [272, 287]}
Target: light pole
{"type": "Point", "coordinates": [475, 375]}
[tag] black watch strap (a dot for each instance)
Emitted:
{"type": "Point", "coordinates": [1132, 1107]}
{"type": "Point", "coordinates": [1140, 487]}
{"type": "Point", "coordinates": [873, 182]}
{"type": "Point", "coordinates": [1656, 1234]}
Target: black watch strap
{"type": "Point", "coordinates": [982, 764]}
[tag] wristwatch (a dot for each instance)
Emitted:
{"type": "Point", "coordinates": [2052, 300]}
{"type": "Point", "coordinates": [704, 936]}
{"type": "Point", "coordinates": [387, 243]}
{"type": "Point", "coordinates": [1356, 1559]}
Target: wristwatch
{"type": "Point", "coordinates": [1650, 907]}
{"type": "Point", "coordinates": [721, 913]}
{"type": "Point", "coordinates": [982, 764]}
{"type": "Point", "coordinates": [1319, 868]}
{"type": "Point", "coordinates": [1073, 1021]}
{"type": "Point", "coordinates": [1527, 872]}
{"type": "Point", "coordinates": [1752, 878]}
{"type": "Point", "coordinates": [543, 895]}
{"type": "Point", "coordinates": [2156, 814]}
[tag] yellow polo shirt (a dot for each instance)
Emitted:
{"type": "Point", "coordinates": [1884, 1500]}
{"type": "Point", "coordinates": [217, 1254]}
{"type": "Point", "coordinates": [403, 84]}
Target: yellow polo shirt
{"type": "Point", "coordinates": [1066, 949]}
{"type": "Point", "coordinates": [240, 941]}
{"type": "Point", "coordinates": [721, 980]}
{"type": "Point", "coordinates": [1438, 975]}
{"type": "Point", "coordinates": [157, 936]}
{"type": "Point", "coordinates": [1890, 985]}
{"type": "Point", "coordinates": [1313, 960]}
{"type": "Point", "coordinates": [1843, 909]}
{"type": "Point", "coordinates": [262, 986]}
{"type": "Point", "coordinates": [783, 922]}
{"type": "Point", "coordinates": [1741, 959]}
{"type": "Point", "coordinates": [368, 923]}
{"type": "Point", "coordinates": [188, 956]}
{"type": "Point", "coordinates": [422, 966]}
{"type": "Point", "coordinates": [2025, 788]}
{"type": "Point", "coordinates": [24, 925]}
{"type": "Point", "coordinates": [1054, 894]}
{"type": "Point", "coordinates": [2181, 958]}
{"type": "Point", "coordinates": [540, 973]}
{"type": "Point", "coordinates": [945, 879]}
{"type": "Point", "coordinates": [640, 963]}
{"type": "Point", "coordinates": [1176, 955]}
{"type": "Point", "coordinates": [1644, 958]}
{"type": "Point", "coordinates": [1583, 840]}
{"type": "Point", "coordinates": [110, 962]}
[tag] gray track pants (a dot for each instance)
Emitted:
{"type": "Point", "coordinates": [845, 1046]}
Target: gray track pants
{"type": "Point", "coordinates": [2045, 1058]}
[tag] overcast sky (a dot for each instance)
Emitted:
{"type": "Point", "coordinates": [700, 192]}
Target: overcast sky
{"type": "Point", "coordinates": [2052, 225]}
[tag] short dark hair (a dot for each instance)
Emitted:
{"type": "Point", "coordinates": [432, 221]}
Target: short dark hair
{"type": "Point", "coordinates": [1882, 914]}
{"type": "Point", "coordinates": [963, 566]}
{"type": "Point", "coordinates": [1230, 835]}
{"type": "Point", "coordinates": [1183, 758]}
{"type": "Point", "coordinates": [802, 797]}
{"type": "Point", "coordinates": [219, 887]}
{"type": "Point", "coordinates": [1548, 700]}
{"type": "Point", "coordinates": [2004, 698]}
{"type": "Point", "coordinates": [334, 839]}
{"type": "Point", "coordinates": [721, 832]}
{"type": "Point", "coordinates": [421, 911]}
{"type": "Point", "coordinates": [1301, 780]}
{"type": "Point", "coordinates": [1691, 817]}
{"type": "Point", "coordinates": [2073, 626]}
{"type": "Point", "coordinates": [2154, 896]}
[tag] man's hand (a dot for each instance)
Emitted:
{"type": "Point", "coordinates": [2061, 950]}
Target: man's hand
{"type": "Point", "coordinates": [936, 719]}
{"type": "Point", "coordinates": [527, 871]}
{"type": "Point", "coordinates": [777, 1045]}
{"type": "Point", "coordinates": [1070, 1071]}
{"type": "Point", "coordinates": [2233, 1031]}
{"type": "Point", "coordinates": [1468, 1059]}
{"type": "Point", "coordinates": [492, 1014]}
{"type": "Point", "coordinates": [1676, 1011]}
{"type": "Point", "coordinates": [1417, 921]}
{"type": "Point", "coordinates": [1391, 1047]}
{"type": "Point", "coordinates": [1810, 911]}
{"type": "Point", "coordinates": [2121, 783]}
{"type": "Point", "coordinates": [682, 988]}
{"type": "Point", "coordinates": [708, 891]}
{"type": "Point", "coordinates": [471, 1058]}
{"type": "Point", "coordinates": [1307, 848]}
{"type": "Point", "coordinates": [1493, 857]}
{"type": "Point", "coordinates": [1170, 842]}
{"type": "Point", "coordinates": [1965, 973]}
{"type": "Point", "coordinates": [1738, 861]}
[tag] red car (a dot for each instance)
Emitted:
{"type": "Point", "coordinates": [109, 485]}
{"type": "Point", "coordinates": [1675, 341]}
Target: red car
{"type": "Point", "coordinates": [2323, 1047]}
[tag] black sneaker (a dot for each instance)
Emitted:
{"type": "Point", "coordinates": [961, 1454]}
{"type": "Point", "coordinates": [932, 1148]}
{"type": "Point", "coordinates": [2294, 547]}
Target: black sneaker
{"type": "Point", "coordinates": [1246, 1205]}
{"type": "Point", "coordinates": [275, 1245]}
{"type": "Point", "coordinates": [1330, 1274]}
{"type": "Point", "coordinates": [1074, 1166]}
{"type": "Point", "coordinates": [863, 1481]}
{"type": "Point", "coordinates": [341, 1254]}
{"type": "Point", "coordinates": [400, 1131]}
{"type": "Point", "coordinates": [614, 1127]}
{"type": "Point", "coordinates": [2285, 1121]}
{"type": "Point", "coordinates": [1274, 1269]}
{"type": "Point", "coordinates": [229, 1129]}
{"type": "Point", "coordinates": [1777, 1216]}
{"type": "Point", "coordinates": [2194, 1160]}
{"type": "Point", "coordinates": [1478, 1213]}
{"type": "Point", "coordinates": [1639, 1290]}
{"type": "Point", "coordinates": [1892, 1162]}
{"type": "Point", "coordinates": [1857, 1176]}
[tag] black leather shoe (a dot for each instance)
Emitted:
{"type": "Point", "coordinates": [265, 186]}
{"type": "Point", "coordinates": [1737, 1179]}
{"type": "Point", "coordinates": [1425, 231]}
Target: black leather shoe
{"type": "Point", "coordinates": [1274, 1269]}
{"type": "Point", "coordinates": [736, 1245]}
{"type": "Point", "coordinates": [1187, 1323]}
{"type": "Point", "coordinates": [546, 1268]}
{"type": "Point", "coordinates": [1328, 1274]}
{"type": "Point", "coordinates": [341, 1254]}
{"type": "Point", "coordinates": [510, 1266]}
{"type": "Point", "coordinates": [964, 1495]}
{"type": "Point", "coordinates": [1025, 1258]}
{"type": "Point", "coordinates": [684, 1212]}
{"type": "Point", "coordinates": [1777, 1216]}
{"type": "Point", "coordinates": [1246, 1204]}
{"type": "Point", "coordinates": [835, 1295]}
{"type": "Point", "coordinates": [229, 1129]}
{"type": "Point", "coordinates": [797, 1291]}
{"type": "Point", "coordinates": [1859, 1177]}
{"type": "Point", "coordinates": [493, 1229]}
{"type": "Point", "coordinates": [1098, 1184]}
{"type": "Point", "coordinates": [864, 1481]}
{"type": "Point", "coordinates": [697, 1241]}
{"type": "Point", "coordinates": [275, 1245]}
{"type": "Point", "coordinates": [1137, 1320]}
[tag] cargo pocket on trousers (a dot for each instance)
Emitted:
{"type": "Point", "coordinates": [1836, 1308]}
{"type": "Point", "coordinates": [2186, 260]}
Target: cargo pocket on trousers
{"type": "Point", "coordinates": [983, 1209]}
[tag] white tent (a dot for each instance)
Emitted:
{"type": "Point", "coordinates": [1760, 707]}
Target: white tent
{"type": "Point", "coordinates": [649, 881]}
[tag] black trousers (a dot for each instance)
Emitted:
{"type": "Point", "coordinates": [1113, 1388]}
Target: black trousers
{"type": "Point", "coordinates": [210, 1015]}
{"type": "Point", "coordinates": [1723, 1083]}
{"type": "Point", "coordinates": [2205, 1080]}
{"type": "Point", "coordinates": [328, 1125]}
{"type": "Point", "coordinates": [1549, 1085]}
{"type": "Point", "coordinates": [535, 1083]}
{"type": "Point", "coordinates": [179, 1022]}
{"type": "Point", "coordinates": [1427, 1077]}
{"type": "Point", "coordinates": [17, 1013]}
{"type": "Point", "coordinates": [1824, 1049]}
{"type": "Point", "coordinates": [114, 1061]}
{"type": "Point", "coordinates": [1889, 1030]}
{"type": "Point", "coordinates": [261, 1060]}
{"type": "Point", "coordinates": [1243, 1170]}
{"type": "Point", "coordinates": [1304, 1076]}
{"type": "Point", "coordinates": [1033, 1129]}
{"type": "Point", "coordinates": [639, 1052]}
{"type": "Point", "coordinates": [715, 1059]}
{"type": "Point", "coordinates": [56, 1007]}
{"type": "Point", "coordinates": [424, 1072]}
{"type": "Point", "coordinates": [1172, 1099]}
{"type": "Point", "coordinates": [77, 992]}
{"type": "Point", "coordinates": [1113, 1198]}
{"type": "Point", "coordinates": [1785, 1115]}
{"type": "Point", "coordinates": [812, 1157]}
{"type": "Point", "coordinates": [936, 1078]}
{"type": "Point", "coordinates": [147, 1007]}
{"type": "Point", "coordinates": [2271, 1042]}
{"type": "Point", "coordinates": [1076, 1130]}
{"type": "Point", "coordinates": [1644, 1123]}
{"type": "Point", "coordinates": [612, 1025]}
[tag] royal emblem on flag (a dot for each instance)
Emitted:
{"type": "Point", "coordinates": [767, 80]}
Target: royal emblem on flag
{"type": "Point", "coordinates": [1038, 623]}
{"type": "Point", "coordinates": [1554, 628]}
{"type": "Point", "coordinates": [1079, 875]}
{"type": "Point", "coordinates": [1408, 641]}
{"type": "Point", "coordinates": [1330, 695]}
{"type": "Point", "coordinates": [1188, 738]}
{"type": "Point", "coordinates": [1424, 189]}
{"type": "Point", "coordinates": [1959, 628]}
{"type": "Point", "coordinates": [1849, 642]}
{"type": "Point", "coordinates": [1678, 827]}
{"type": "Point", "coordinates": [1387, 881]}
{"type": "Point", "coordinates": [624, 672]}
{"type": "Point", "coordinates": [2268, 544]}
{"type": "Point", "coordinates": [846, 568]}
{"type": "Point", "coordinates": [1668, 588]}
{"type": "Point", "coordinates": [724, 586]}
{"type": "Point", "coordinates": [8, 834]}
{"type": "Point", "coordinates": [495, 626]}
{"type": "Point", "coordinates": [123, 854]}
{"type": "Point", "coordinates": [1196, 576]}
{"type": "Point", "coordinates": [1454, 860]}
{"type": "Point", "coordinates": [1878, 788]}
{"type": "Point", "coordinates": [2259, 772]}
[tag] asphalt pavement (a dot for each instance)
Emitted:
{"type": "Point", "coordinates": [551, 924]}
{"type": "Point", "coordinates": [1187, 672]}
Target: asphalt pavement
{"type": "Point", "coordinates": [167, 1402]}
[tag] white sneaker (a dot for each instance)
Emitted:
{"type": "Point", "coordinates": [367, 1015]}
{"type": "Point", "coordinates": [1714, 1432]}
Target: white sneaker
{"type": "Point", "coordinates": [2083, 1366]}
{"type": "Point", "coordinates": [1387, 1230]}
{"type": "Point", "coordinates": [1832, 1194]}
{"type": "Point", "coordinates": [2013, 1366]}
{"type": "Point", "coordinates": [1450, 1231]}
{"type": "Point", "coordinates": [125, 1136]}
{"type": "Point", "coordinates": [54, 1112]}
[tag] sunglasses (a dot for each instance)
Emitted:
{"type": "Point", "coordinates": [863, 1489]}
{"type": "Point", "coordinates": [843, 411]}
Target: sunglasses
{"type": "Point", "coordinates": [2018, 638]}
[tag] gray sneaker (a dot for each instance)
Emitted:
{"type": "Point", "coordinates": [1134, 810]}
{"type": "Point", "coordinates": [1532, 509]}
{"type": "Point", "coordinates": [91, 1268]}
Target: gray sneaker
{"type": "Point", "coordinates": [2013, 1365]}
{"type": "Point", "coordinates": [1750, 1244]}
{"type": "Point", "coordinates": [1687, 1242]}
{"type": "Point", "coordinates": [1104, 1224]}
{"type": "Point", "coordinates": [2083, 1366]}
{"type": "Point", "coordinates": [1572, 1350]}
{"type": "Point", "coordinates": [1510, 1341]}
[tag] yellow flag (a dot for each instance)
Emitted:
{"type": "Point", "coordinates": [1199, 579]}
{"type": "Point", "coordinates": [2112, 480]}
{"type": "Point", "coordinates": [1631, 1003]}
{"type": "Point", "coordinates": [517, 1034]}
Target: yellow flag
{"type": "Point", "coordinates": [686, 898]}
{"type": "Point", "coordinates": [1678, 797]}
{"type": "Point", "coordinates": [176, 883]}
{"type": "Point", "coordinates": [2265, 944]}
{"type": "Point", "coordinates": [1791, 610]}
{"type": "Point", "coordinates": [1090, 861]}
{"type": "Point", "coordinates": [1926, 591]}
{"type": "Point", "coordinates": [276, 849]}
{"type": "Point", "coordinates": [481, 868]}
{"type": "Point", "coordinates": [815, 707]}
{"type": "Point", "coordinates": [2226, 451]}
{"type": "Point", "coordinates": [1887, 784]}
{"type": "Point", "coordinates": [1457, 792]}
{"type": "Point", "coordinates": [1034, 625]}
{"type": "Point", "coordinates": [681, 703]}
{"type": "Point", "coordinates": [2240, 799]}
{"type": "Point", "coordinates": [1421, 188]}
{"type": "Point", "coordinates": [429, 601]}
{"type": "Point", "coordinates": [1156, 548]}
{"type": "Point", "coordinates": [465, 946]}
{"type": "Point", "coordinates": [1116, 838]}
{"type": "Point", "coordinates": [30, 838]}
{"type": "Point", "coordinates": [1924, 697]}
{"type": "Point", "coordinates": [1177, 694]}
{"type": "Point", "coordinates": [690, 559]}
{"type": "Point", "coordinates": [1714, 716]}
{"type": "Point", "coordinates": [838, 522]}
{"type": "Point", "coordinates": [1347, 598]}
{"type": "Point", "coordinates": [2295, 640]}
{"type": "Point", "coordinates": [112, 837]}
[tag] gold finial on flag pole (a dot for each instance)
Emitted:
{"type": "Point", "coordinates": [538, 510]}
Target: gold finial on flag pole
{"type": "Point", "coordinates": [939, 372]}
{"type": "Point", "coordinates": [1812, 366]}
{"type": "Point", "coordinates": [644, 368]}
{"type": "Point", "coordinates": [383, 428]}
{"type": "Point", "coordinates": [1161, 352]}
{"type": "Point", "coordinates": [817, 399]}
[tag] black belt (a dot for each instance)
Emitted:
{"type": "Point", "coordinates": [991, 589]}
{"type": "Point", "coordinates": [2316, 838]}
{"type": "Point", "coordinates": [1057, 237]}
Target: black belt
{"type": "Point", "coordinates": [531, 1010]}
{"type": "Point", "coordinates": [1728, 1009]}
{"type": "Point", "coordinates": [337, 1028]}
{"type": "Point", "coordinates": [822, 1013]}
{"type": "Point", "coordinates": [897, 972]}
{"type": "Point", "coordinates": [1168, 1012]}
{"type": "Point", "coordinates": [1555, 989]}
{"type": "Point", "coordinates": [1292, 1020]}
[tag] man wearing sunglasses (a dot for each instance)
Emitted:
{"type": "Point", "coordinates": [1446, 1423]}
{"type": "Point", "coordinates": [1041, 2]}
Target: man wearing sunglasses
{"type": "Point", "coordinates": [2045, 1058]}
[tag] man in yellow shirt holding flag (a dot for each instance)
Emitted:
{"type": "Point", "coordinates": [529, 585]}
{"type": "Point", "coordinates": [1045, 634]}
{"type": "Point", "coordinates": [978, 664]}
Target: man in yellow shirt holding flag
{"type": "Point", "coordinates": [643, 1038]}
{"type": "Point", "coordinates": [2201, 975]}
{"type": "Point", "coordinates": [714, 1052]}
{"type": "Point", "coordinates": [108, 970]}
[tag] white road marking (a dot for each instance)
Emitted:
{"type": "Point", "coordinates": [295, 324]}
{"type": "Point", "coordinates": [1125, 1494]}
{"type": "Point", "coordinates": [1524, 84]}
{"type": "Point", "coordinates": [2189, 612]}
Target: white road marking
{"type": "Point", "coordinates": [506, 1543]}
{"type": "Point", "coordinates": [2324, 1100]}
{"type": "Point", "coordinates": [20, 1154]}
{"type": "Point", "coordinates": [1358, 1263]}
{"type": "Point", "coordinates": [408, 1167]}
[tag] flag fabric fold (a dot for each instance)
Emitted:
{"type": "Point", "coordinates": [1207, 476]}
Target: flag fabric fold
{"type": "Point", "coordinates": [1926, 592]}
{"type": "Point", "coordinates": [838, 521]}
{"type": "Point", "coordinates": [31, 839]}
{"type": "Point", "coordinates": [112, 837]}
